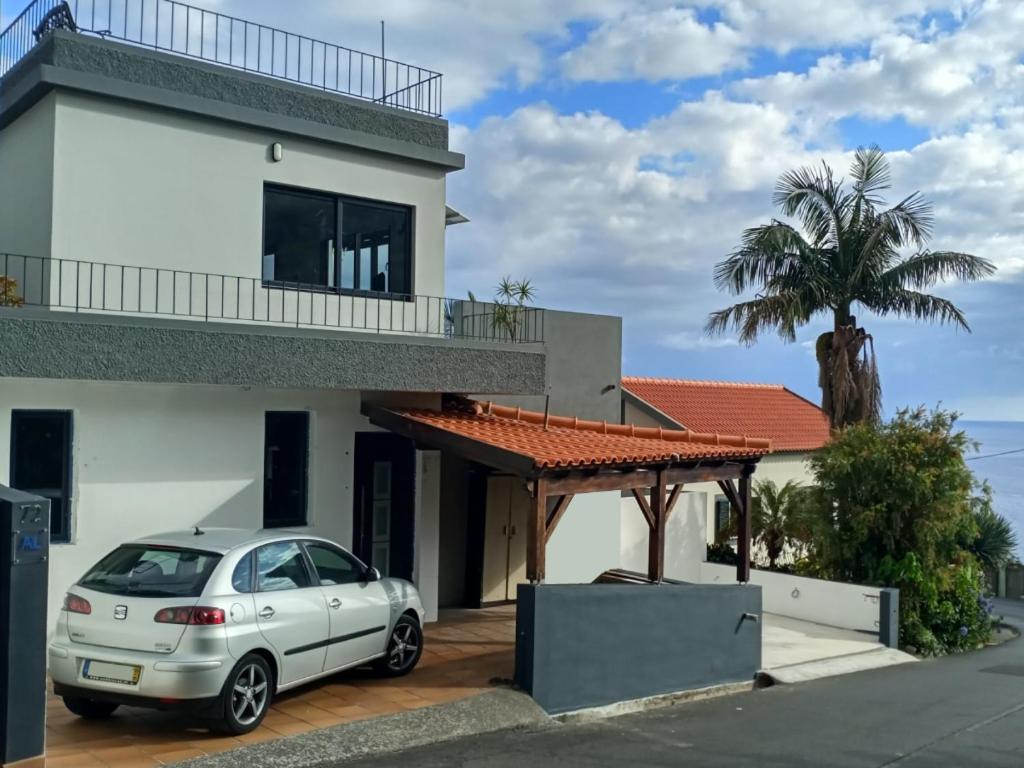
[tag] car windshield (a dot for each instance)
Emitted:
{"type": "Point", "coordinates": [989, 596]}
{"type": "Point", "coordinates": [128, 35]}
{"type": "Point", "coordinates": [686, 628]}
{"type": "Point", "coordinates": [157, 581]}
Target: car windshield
{"type": "Point", "coordinates": [149, 571]}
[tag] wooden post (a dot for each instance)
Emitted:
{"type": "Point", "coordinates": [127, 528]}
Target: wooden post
{"type": "Point", "coordinates": [656, 542]}
{"type": "Point", "coordinates": [744, 526]}
{"type": "Point", "coordinates": [536, 532]}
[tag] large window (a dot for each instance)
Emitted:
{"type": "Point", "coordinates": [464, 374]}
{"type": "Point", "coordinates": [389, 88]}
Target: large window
{"type": "Point", "coordinates": [41, 463]}
{"type": "Point", "coordinates": [336, 243]}
{"type": "Point", "coordinates": [285, 468]}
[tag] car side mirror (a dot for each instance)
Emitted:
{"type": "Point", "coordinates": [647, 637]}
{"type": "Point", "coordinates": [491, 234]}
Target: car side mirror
{"type": "Point", "coordinates": [372, 574]}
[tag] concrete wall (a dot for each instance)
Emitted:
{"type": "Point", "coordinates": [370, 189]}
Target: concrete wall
{"type": "Point", "coordinates": [586, 542]}
{"type": "Point", "coordinates": [150, 458]}
{"type": "Point", "coordinates": [26, 185]}
{"type": "Point", "coordinates": [848, 606]}
{"type": "Point", "coordinates": [134, 185]}
{"type": "Point", "coordinates": [685, 547]}
{"type": "Point", "coordinates": [595, 644]}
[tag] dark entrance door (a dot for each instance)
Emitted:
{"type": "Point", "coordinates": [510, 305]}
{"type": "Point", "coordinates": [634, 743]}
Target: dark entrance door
{"type": "Point", "coordinates": [41, 463]}
{"type": "Point", "coordinates": [383, 518]}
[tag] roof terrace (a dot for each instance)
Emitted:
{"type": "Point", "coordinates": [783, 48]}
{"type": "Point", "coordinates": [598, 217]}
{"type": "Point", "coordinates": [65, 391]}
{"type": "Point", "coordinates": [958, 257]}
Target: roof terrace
{"type": "Point", "coordinates": [184, 30]}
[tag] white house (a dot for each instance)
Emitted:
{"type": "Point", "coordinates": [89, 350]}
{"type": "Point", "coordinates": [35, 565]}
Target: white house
{"type": "Point", "coordinates": [222, 259]}
{"type": "Point", "coordinates": [795, 426]}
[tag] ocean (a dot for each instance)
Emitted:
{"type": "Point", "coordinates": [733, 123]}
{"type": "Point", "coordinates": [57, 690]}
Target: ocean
{"type": "Point", "coordinates": [1004, 473]}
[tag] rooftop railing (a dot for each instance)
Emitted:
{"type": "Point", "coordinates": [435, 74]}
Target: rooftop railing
{"type": "Point", "coordinates": [98, 288]}
{"type": "Point", "coordinates": [185, 30]}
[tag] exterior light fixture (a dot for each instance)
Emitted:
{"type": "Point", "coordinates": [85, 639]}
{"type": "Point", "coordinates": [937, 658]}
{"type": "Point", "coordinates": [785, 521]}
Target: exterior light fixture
{"type": "Point", "coordinates": [277, 151]}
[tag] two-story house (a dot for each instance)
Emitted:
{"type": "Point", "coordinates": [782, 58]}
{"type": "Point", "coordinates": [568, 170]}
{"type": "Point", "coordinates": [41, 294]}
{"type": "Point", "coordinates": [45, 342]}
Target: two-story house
{"type": "Point", "coordinates": [221, 244]}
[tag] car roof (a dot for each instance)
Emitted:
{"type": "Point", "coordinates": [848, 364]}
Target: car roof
{"type": "Point", "coordinates": [221, 540]}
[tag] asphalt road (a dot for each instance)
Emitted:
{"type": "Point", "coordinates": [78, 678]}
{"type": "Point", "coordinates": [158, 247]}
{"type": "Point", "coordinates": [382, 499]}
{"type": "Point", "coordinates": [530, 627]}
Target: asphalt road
{"type": "Point", "coordinates": [965, 710]}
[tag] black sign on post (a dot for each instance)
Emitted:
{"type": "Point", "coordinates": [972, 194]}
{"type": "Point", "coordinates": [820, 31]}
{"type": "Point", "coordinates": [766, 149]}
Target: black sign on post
{"type": "Point", "coordinates": [24, 566]}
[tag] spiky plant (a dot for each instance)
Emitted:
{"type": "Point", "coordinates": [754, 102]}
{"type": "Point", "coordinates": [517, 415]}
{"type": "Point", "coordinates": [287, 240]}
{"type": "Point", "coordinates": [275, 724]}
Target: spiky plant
{"type": "Point", "coordinates": [850, 253]}
{"type": "Point", "coordinates": [779, 520]}
{"type": "Point", "coordinates": [511, 297]}
{"type": "Point", "coordinates": [995, 541]}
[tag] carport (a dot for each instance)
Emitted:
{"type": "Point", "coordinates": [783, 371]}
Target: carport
{"type": "Point", "coordinates": [559, 457]}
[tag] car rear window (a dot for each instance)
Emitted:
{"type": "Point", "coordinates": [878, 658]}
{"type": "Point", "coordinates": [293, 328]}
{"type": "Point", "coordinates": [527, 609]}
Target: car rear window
{"type": "Point", "coordinates": [147, 571]}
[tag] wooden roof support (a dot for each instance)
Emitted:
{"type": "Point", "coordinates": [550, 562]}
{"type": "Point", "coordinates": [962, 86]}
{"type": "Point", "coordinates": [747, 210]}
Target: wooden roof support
{"type": "Point", "coordinates": [644, 507]}
{"type": "Point", "coordinates": [656, 542]}
{"type": "Point", "coordinates": [741, 501]}
{"type": "Point", "coordinates": [673, 497]}
{"type": "Point", "coordinates": [556, 515]}
{"type": "Point", "coordinates": [536, 532]}
{"type": "Point", "coordinates": [584, 481]}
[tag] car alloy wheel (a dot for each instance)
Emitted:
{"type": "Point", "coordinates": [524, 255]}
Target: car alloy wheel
{"type": "Point", "coordinates": [249, 693]}
{"type": "Point", "coordinates": [404, 646]}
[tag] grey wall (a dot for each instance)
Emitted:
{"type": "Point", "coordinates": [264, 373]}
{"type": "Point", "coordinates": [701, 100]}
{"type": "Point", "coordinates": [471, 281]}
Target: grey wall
{"type": "Point", "coordinates": [588, 645]}
{"type": "Point", "coordinates": [76, 62]}
{"type": "Point", "coordinates": [584, 366]}
{"type": "Point", "coordinates": [59, 345]}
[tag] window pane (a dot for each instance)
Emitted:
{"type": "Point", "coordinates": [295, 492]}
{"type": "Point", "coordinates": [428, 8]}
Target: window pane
{"type": "Point", "coordinates": [241, 579]}
{"type": "Point", "coordinates": [152, 572]}
{"type": "Point", "coordinates": [333, 566]}
{"type": "Point", "coordinates": [286, 469]}
{"type": "Point", "coordinates": [380, 236]}
{"type": "Point", "coordinates": [40, 462]}
{"type": "Point", "coordinates": [298, 238]}
{"type": "Point", "coordinates": [279, 566]}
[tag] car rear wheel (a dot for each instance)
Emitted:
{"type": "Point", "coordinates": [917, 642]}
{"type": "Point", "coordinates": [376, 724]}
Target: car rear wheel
{"type": "Point", "coordinates": [246, 695]}
{"type": "Point", "coordinates": [405, 646]}
{"type": "Point", "coordinates": [90, 709]}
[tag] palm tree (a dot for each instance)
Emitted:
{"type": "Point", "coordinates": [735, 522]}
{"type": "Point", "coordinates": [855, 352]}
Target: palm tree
{"type": "Point", "coordinates": [849, 254]}
{"type": "Point", "coordinates": [779, 518]}
{"type": "Point", "coordinates": [995, 541]}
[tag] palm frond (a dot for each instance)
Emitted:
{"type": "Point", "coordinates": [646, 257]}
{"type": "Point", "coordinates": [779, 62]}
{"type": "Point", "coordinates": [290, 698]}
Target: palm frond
{"type": "Point", "coordinates": [925, 269]}
{"type": "Point", "coordinates": [870, 172]}
{"type": "Point", "coordinates": [816, 198]}
{"type": "Point", "coordinates": [766, 252]}
{"type": "Point", "coordinates": [781, 312]}
{"type": "Point", "coordinates": [904, 302]}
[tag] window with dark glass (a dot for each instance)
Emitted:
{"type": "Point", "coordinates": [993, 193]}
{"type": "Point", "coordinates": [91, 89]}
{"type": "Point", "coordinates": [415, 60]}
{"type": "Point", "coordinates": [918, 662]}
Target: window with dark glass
{"type": "Point", "coordinates": [336, 243]}
{"type": "Point", "coordinates": [722, 514]}
{"type": "Point", "coordinates": [41, 463]}
{"type": "Point", "coordinates": [285, 468]}
{"type": "Point", "coordinates": [333, 566]}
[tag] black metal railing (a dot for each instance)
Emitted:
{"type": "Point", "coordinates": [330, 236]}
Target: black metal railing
{"type": "Point", "coordinates": [97, 287]}
{"type": "Point", "coordinates": [174, 27]}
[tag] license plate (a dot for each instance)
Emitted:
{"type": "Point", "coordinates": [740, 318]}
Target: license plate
{"type": "Point", "coordinates": [126, 674]}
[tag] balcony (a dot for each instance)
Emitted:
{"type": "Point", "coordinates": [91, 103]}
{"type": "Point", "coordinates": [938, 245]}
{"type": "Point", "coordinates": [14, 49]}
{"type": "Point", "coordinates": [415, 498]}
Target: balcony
{"type": "Point", "coordinates": [183, 30]}
{"type": "Point", "coordinates": [97, 288]}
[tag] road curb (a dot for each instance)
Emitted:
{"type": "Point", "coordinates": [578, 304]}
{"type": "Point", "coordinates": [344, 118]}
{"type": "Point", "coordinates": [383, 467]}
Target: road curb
{"type": "Point", "coordinates": [592, 714]}
{"type": "Point", "coordinates": [492, 711]}
{"type": "Point", "coordinates": [837, 665]}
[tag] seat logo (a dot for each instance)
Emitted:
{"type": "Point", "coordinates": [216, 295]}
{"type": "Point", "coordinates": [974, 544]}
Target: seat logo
{"type": "Point", "coordinates": [121, 612]}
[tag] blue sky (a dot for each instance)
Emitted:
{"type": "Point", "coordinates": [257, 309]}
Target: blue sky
{"type": "Point", "coordinates": [616, 149]}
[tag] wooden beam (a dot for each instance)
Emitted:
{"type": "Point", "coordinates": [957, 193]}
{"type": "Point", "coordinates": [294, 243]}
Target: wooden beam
{"type": "Point", "coordinates": [586, 481]}
{"type": "Point", "coordinates": [673, 497]}
{"type": "Point", "coordinates": [644, 507]}
{"type": "Point", "coordinates": [536, 527]}
{"type": "Point", "coordinates": [744, 529]}
{"type": "Point", "coordinates": [729, 489]}
{"type": "Point", "coordinates": [556, 515]}
{"type": "Point", "coordinates": [656, 541]}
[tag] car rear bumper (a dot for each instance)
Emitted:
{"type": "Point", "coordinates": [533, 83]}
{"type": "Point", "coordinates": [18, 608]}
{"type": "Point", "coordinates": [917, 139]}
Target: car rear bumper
{"type": "Point", "coordinates": [163, 678]}
{"type": "Point", "coordinates": [114, 697]}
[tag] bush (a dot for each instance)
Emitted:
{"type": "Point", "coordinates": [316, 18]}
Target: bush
{"type": "Point", "coordinates": [895, 506]}
{"type": "Point", "coordinates": [722, 553]}
{"type": "Point", "coordinates": [9, 296]}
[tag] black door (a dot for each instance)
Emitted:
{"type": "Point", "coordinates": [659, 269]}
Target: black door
{"type": "Point", "coordinates": [41, 463]}
{"type": "Point", "coordinates": [285, 468]}
{"type": "Point", "coordinates": [383, 517]}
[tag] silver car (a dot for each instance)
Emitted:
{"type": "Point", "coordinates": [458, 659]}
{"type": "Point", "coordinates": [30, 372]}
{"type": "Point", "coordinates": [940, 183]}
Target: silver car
{"type": "Point", "coordinates": [218, 620]}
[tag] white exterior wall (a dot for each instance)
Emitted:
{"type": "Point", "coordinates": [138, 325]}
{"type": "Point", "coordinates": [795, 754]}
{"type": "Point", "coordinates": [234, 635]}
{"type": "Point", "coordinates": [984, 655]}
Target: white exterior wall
{"type": "Point", "coordinates": [150, 458]}
{"type": "Point", "coordinates": [140, 186]}
{"type": "Point", "coordinates": [428, 529]}
{"type": "Point", "coordinates": [685, 547]}
{"type": "Point", "coordinates": [26, 169]}
{"type": "Point", "coordinates": [848, 606]}
{"type": "Point", "coordinates": [586, 542]}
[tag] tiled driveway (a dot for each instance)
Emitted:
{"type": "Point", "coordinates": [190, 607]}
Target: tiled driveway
{"type": "Point", "coordinates": [463, 655]}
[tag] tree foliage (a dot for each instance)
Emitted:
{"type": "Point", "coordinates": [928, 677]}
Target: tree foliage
{"type": "Point", "coordinates": [848, 252]}
{"type": "Point", "coordinates": [894, 505]}
{"type": "Point", "coordinates": [9, 295]}
{"type": "Point", "coordinates": [780, 520]}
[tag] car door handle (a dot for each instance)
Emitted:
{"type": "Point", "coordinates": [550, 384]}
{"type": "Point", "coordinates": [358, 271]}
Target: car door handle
{"type": "Point", "coordinates": [267, 613]}
{"type": "Point", "coordinates": [335, 603]}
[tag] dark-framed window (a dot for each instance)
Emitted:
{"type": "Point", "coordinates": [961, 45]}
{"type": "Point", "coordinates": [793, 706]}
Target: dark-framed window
{"type": "Point", "coordinates": [723, 511]}
{"type": "Point", "coordinates": [336, 242]}
{"type": "Point", "coordinates": [285, 468]}
{"type": "Point", "coordinates": [41, 463]}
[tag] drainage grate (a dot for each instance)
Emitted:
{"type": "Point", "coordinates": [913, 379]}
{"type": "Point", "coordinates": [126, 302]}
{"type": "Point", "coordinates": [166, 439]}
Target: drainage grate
{"type": "Point", "coordinates": [1016, 670]}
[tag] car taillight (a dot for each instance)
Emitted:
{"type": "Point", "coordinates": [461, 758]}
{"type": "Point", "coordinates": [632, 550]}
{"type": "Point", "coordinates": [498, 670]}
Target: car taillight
{"type": "Point", "coordinates": [197, 616]}
{"type": "Point", "coordinates": [76, 604]}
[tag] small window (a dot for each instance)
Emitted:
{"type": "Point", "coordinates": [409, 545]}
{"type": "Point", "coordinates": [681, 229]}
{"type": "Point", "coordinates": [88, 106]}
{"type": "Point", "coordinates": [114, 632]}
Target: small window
{"type": "Point", "coordinates": [334, 566]}
{"type": "Point", "coordinates": [144, 571]}
{"type": "Point", "coordinates": [41, 463]}
{"type": "Point", "coordinates": [241, 579]}
{"type": "Point", "coordinates": [722, 514]}
{"type": "Point", "coordinates": [286, 469]}
{"type": "Point", "coordinates": [280, 566]}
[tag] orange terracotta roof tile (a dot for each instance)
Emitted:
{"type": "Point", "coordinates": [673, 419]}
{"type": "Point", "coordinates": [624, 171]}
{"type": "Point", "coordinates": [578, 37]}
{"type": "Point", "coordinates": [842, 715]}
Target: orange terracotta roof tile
{"type": "Point", "coordinates": [762, 410]}
{"type": "Point", "coordinates": [560, 441]}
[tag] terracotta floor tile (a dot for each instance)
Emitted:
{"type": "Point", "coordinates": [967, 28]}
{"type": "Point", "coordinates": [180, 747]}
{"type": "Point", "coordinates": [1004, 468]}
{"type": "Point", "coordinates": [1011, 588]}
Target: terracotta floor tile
{"type": "Point", "coordinates": [177, 755]}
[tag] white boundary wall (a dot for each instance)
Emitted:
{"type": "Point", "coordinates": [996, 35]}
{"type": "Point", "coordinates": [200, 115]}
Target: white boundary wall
{"type": "Point", "coordinates": [847, 606]}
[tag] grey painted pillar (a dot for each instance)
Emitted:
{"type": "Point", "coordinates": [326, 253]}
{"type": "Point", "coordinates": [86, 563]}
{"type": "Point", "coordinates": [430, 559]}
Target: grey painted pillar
{"type": "Point", "coordinates": [889, 618]}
